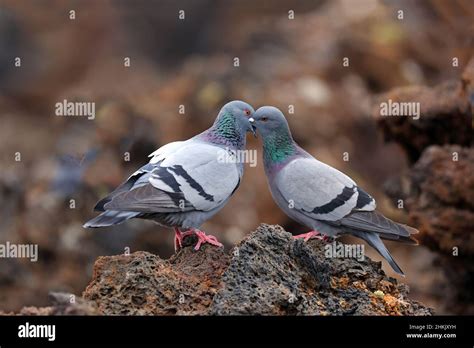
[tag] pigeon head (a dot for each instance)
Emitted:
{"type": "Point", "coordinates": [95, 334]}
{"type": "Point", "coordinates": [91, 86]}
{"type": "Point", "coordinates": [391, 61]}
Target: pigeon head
{"type": "Point", "coordinates": [241, 112]}
{"type": "Point", "coordinates": [232, 124]}
{"type": "Point", "coordinates": [269, 120]}
{"type": "Point", "coordinates": [278, 144]}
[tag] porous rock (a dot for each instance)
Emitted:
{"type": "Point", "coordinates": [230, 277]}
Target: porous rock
{"type": "Point", "coordinates": [144, 284]}
{"type": "Point", "coordinates": [445, 117]}
{"type": "Point", "coordinates": [438, 189]}
{"type": "Point", "coordinates": [267, 273]}
{"type": "Point", "coordinates": [438, 192]}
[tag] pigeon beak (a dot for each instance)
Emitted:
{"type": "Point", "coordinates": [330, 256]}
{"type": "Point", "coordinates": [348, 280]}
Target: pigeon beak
{"type": "Point", "coordinates": [252, 126]}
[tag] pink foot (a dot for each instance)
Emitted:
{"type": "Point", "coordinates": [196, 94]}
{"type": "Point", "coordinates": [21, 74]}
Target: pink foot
{"type": "Point", "coordinates": [204, 238]}
{"type": "Point", "coordinates": [311, 234]}
{"type": "Point", "coordinates": [179, 236]}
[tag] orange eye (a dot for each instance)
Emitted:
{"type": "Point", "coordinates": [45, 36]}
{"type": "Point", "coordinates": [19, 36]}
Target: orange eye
{"type": "Point", "coordinates": [247, 112]}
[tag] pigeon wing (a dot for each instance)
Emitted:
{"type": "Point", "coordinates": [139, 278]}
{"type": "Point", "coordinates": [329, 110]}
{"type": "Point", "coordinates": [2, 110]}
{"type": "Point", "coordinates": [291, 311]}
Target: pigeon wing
{"type": "Point", "coordinates": [320, 191]}
{"type": "Point", "coordinates": [193, 176]}
{"type": "Point", "coordinates": [324, 193]}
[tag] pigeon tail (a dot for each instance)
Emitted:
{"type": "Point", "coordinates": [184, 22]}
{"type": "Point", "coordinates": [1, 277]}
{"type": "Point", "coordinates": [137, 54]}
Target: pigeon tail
{"type": "Point", "coordinates": [109, 218]}
{"type": "Point", "coordinates": [371, 221]}
{"type": "Point", "coordinates": [375, 242]}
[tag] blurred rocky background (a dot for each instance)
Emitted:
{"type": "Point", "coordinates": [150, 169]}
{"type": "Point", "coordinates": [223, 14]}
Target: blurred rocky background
{"type": "Point", "coordinates": [291, 54]}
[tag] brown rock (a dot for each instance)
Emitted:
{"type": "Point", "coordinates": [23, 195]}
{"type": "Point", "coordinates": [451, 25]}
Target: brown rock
{"type": "Point", "coordinates": [144, 284]}
{"type": "Point", "coordinates": [445, 117]}
{"type": "Point", "coordinates": [439, 195]}
{"type": "Point", "coordinates": [62, 304]}
{"type": "Point", "coordinates": [69, 304]}
{"type": "Point", "coordinates": [268, 273]}
{"type": "Point", "coordinates": [438, 190]}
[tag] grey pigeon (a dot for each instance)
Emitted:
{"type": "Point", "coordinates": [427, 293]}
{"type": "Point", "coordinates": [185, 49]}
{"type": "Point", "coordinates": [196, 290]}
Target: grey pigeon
{"type": "Point", "coordinates": [186, 182]}
{"type": "Point", "coordinates": [319, 196]}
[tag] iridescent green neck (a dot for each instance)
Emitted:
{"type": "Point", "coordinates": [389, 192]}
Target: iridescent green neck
{"type": "Point", "coordinates": [225, 131]}
{"type": "Point", "coordinates": [278, 146]}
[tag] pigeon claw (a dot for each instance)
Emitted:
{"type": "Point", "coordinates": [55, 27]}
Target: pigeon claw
{"type": "Point", "coordinates": [204, 238]}
{"type": "Point", "coordinates": [310, 235]}
{"type": "Point", "coordinates": [179, 237]}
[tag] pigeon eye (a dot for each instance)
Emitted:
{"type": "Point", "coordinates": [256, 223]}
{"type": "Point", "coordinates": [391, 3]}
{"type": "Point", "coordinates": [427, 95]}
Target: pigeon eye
{"type": "Point", "coordinates": [264, 119]}
{"type": "Point", "coordinates": [247, 112]}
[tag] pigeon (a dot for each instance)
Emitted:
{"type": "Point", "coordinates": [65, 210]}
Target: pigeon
{"type": "Point", "coordinates": [318, 195]}
{"type": "Point", "coordinates": [185, 182]}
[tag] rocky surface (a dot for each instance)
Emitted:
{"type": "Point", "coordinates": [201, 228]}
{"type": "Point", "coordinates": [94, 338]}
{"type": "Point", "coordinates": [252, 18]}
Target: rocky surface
{"type": "Point", "coordinates": [267, 273]}
{"type": "Point", "coordinates": [438, 189]}
{"type": "Point", "coordinates": [270, 273]}
{"type": "Point", "coordinates": [443, 107]}
{"type": "Point", "coordinates": [143, 283]}
{"type": "Point", "coordinates": [439, 193]}
{"type": "Point", "coordinates": [62, 304]}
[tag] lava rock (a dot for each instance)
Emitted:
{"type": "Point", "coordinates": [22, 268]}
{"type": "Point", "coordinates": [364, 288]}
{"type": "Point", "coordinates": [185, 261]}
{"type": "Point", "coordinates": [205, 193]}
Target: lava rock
{"type": "Point", "coordinates": [273, 274]}
{"type": "Point", "coordinates": [438, 189]}
{"type": "Point", "coordinates": [62, 304]}
{"type": "Point", "coordinates": [445, 117]}
{"type": "Point", "coordinates": [267, 273]}
{"type": "Point", "coordinates": [441, 198]}
{"type": "Point", "coordinates": [144, 284]}
{"type": "Point", "coordinates": [438, 192]}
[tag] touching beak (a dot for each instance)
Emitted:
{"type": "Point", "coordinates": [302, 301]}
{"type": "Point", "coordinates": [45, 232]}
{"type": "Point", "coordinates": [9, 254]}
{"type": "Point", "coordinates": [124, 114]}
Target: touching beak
{"type": "Point", "coordinates": [252, 126]}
